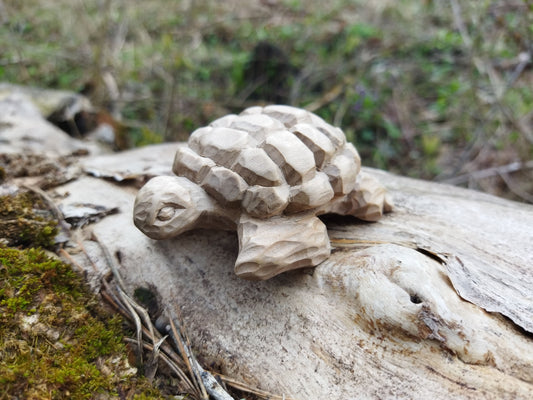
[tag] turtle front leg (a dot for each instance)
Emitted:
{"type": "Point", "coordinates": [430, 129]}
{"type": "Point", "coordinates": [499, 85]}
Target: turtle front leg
{"type": "Point", "coordinates": [268, 247]}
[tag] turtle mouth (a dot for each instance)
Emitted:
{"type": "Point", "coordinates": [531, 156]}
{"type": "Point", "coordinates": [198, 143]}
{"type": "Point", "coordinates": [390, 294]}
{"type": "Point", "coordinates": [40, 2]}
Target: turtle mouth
{"type": "Point", "coordinates": [144, 220]}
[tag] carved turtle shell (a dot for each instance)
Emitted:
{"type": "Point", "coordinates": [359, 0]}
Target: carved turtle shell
{"type": "Point", "coordinates": [270, 160]}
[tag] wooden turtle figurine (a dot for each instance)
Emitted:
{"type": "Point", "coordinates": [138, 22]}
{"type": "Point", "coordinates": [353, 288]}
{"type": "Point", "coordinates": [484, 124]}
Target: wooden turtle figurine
{"type": "Point", "coordinates": [267, 173]}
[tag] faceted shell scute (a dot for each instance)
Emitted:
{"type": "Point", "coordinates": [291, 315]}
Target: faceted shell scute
{"type": "Point", "coordinates": [270, 160]}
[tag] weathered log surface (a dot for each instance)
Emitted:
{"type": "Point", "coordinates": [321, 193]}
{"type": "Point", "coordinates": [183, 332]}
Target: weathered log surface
{"type": "Point", "coordinates": [399, 310]}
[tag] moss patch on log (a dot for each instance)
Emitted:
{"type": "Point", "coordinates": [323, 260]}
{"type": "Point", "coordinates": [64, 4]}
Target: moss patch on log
{"type": "Point", "coordinates": [56, 340]}
{"type": "Point", "coordinates": [26, 221]}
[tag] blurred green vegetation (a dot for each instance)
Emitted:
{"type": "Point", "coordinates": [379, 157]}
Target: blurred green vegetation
{"type": "Point", "coordinates": [429, 89]}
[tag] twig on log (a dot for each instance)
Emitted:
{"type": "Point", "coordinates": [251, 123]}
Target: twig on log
{"type": "Point", "coordinates": [136, 319]}
{"type": "Point", "coordinates": [144, 328]}
{"type": "Point", "coordinates": [133, 310]}
{"type": "Point", "coordinates": [110, 261]}
{"type": "Point", "coordinates": [214, 389]}
{"type": "Point", "coordinates": [150, 369]}
{"type": "Point", "coordinates": [257, 392]}
{"type": "Point", "coordinates": [170, 362]}
{"type": "Point", "coordinates": [188, 358]}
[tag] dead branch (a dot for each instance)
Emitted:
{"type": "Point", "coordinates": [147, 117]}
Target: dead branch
{"type": "Point", "coordinates": [489, 172]}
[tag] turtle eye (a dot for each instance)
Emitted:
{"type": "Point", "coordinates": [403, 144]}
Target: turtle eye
{"type": "Point", "coordinates": [166, 213]}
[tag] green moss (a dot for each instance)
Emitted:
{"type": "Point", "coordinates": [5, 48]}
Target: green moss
{"type": "Point", "coordinates": [25, 221]}
{"type": "Point", "coordinates": [56, 341]}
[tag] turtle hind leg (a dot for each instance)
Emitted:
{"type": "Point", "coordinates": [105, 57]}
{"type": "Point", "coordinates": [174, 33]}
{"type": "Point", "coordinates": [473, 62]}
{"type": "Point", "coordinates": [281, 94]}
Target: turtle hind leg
{"type": "Point", "coordinates": [368, 201]}
{"type": "Point", "coordinates": [268, 247]}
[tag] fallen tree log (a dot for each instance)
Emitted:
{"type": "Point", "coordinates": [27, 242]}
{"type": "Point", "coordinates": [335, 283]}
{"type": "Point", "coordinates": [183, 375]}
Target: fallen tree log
{"type": "Point", "coordinates": [435, 300]}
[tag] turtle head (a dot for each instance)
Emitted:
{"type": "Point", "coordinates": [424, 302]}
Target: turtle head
{"type": "Point", "coordinates": [169, 205]}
